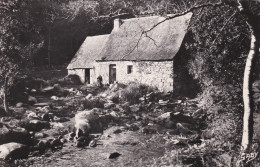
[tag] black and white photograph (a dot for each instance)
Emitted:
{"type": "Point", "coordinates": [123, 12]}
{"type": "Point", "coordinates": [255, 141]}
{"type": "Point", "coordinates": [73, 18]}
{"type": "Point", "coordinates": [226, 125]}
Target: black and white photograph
{"type": "Point", "coordinates": [129, 83]}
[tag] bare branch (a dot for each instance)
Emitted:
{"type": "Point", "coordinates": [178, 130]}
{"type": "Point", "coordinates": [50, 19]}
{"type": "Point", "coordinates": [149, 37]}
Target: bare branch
{"type": "Point", "coordinates": [187, 11]}
{"type": "Point", "coordinates": [136, 46]}
{"type": "Point", "coordinates": [224, 27]}
{"type": "Point", "coordinates": [144, 33]}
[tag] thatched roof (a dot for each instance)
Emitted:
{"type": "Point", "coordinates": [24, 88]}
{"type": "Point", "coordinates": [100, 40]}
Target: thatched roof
{"type": "Point", "coordinates": [161, 43]}
{"type": "Point", "coordinates": [88, 52]}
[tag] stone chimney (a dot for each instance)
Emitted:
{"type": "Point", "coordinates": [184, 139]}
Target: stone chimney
{"type": "Point", "coordinates": [117, 24]}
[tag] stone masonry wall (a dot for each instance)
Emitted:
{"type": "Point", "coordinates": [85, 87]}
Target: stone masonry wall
{"type": "Point", "coordinates": [153, 73]}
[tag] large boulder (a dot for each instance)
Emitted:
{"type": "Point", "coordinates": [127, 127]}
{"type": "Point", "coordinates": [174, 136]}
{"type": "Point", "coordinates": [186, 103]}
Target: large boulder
{"type": "Point", "coordinates": [87, 122]}
{"type": "Point", "coordinates": [13, 151]}
{"type": "Point", "coordinates": [14, 135]}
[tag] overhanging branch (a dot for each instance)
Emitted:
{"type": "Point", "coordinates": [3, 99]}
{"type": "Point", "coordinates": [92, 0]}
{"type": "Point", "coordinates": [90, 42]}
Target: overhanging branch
{"type": "Point", "coordinates": [186, 11]}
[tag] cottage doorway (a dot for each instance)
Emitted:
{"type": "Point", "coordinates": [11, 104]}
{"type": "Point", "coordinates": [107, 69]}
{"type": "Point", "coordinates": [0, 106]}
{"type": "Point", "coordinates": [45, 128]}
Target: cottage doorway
{"type": "Point", "coordinates": [112, 73]}
{"type": "Point", "coordinates": [87, 76]}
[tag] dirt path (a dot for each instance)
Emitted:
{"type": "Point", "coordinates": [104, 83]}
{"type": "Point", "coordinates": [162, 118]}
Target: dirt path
{"type": "Point", "coordinates": [138, 150]}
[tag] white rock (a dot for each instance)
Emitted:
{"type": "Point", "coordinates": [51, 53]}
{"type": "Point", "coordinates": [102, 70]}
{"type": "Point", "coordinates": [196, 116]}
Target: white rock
{"type": "Point", "coordinates": [89, 96]}
{"type": "Point", "coordinates": [54, 98]}
{"type": "Point", "coordinates": [33, 90]}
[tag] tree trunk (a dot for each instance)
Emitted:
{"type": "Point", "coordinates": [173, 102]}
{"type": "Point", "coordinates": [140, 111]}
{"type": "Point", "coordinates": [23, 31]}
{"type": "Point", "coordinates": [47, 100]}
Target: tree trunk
{"type": "Point", "coordinates": [248, 113]}
{"type": "Point", "coordinates": [6, 108]}
{"type": "Point", "coordinates": [49, 48]}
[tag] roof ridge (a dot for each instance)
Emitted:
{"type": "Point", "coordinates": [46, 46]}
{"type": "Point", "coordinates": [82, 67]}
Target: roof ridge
{"type": "Point", "coordinates": [97, 35]}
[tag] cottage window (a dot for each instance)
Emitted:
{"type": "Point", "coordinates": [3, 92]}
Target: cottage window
{"type": "Point", "coordinates": [129, 69]}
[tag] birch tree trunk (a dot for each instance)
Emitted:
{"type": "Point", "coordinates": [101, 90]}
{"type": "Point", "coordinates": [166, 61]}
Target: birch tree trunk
{"type": "Point", "coordinates": [247, 97]}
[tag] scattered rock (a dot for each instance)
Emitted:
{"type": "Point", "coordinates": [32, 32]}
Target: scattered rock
{"type": "Point", "coordinates": [165, 120]}
{"type": "Point", "coordinates": [33, 90]}
{"type": "Point", "coordinates": [63, 140]}
{"type": "Point", "coordinates": [56, 125]}
{"type": "Point", "coordinates": [13, 151]}
{"type": "Point", "coordinates": [89, 96]}
{"type": "Point", "coordinates": [142, 99]}
{"type": "Point", "coordinates": [93, 143]}
{"type": "Point", "coordinates": [32, 115]}
{"type": "Point", "coordinates": [41, 104]}
{"type": "Point", "coordinates": [114, 115]}
{"type": "Point", "coordinates": [135, 108]}
{"type": "Point", "coordinates": [82, 141]}
{"type": "Point", "coordinates": [54, 98]}
{"type": "Point", "coordinates": [37, 125]}
{"type": "Point", "coordinates": [183, 129]}
{"type": "Point", "coordinates": [71, 90]}
{"type": "Point", "coordinates": [198, 113]}
{"type": "Point", "coordinates": [48, 90]}
{"type": "Point", "coordinates": [163, 103]}
{"type": "Point", "coordinates": [96, 135]}
{"type": "Point", "coordinates": [47, 117]}
{"type": "Point", "coordinates": [39, 135]}
{"type": "Point", "coordinates": [114, 155]}
{"type": "Point", "coordinates": [103, 95]}
{"type": "Point", "coordinates": [55, 118]}
{"type": "Point", "coordinates": [20, 104]}
{"type": "Point", "coordinates": [109, 105]}
{"type": "Point", "coordinates": [56, 144]}
{"type": "Point", "coordinates": [72, 134]}
{"type": "Point", "coordinates": [165, 116]}
{"type": "Point", "coordinates": [138, 118]}
{"type": "Point", "coordinates": [32, 100]}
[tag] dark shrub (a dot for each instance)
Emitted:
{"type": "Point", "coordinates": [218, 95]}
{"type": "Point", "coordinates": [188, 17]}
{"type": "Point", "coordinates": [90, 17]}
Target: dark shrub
{"type": "Point", "coordinates": [134, 91]}
{"type": "Point", "coordinates": [69, 80]}
{"type": "Point", "coordinates": [93, 103]}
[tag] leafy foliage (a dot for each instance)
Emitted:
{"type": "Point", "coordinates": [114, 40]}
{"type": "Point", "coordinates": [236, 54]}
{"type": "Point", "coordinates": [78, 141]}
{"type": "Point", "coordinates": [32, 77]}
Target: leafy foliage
{"type": "Point", "coordinates": [221, 43]}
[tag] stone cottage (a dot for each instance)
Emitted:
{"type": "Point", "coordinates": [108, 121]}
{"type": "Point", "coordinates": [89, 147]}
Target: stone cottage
{"type": "Point", "coordinates": [128, 54]}
{"type": "Point", "coordinates": [83, 62]}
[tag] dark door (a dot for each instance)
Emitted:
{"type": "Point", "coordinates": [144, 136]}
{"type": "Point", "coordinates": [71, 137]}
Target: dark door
{"type": "Point", "coordinates": [112, 73]}
{"type": "Point", "coordinates": [87, 76]}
